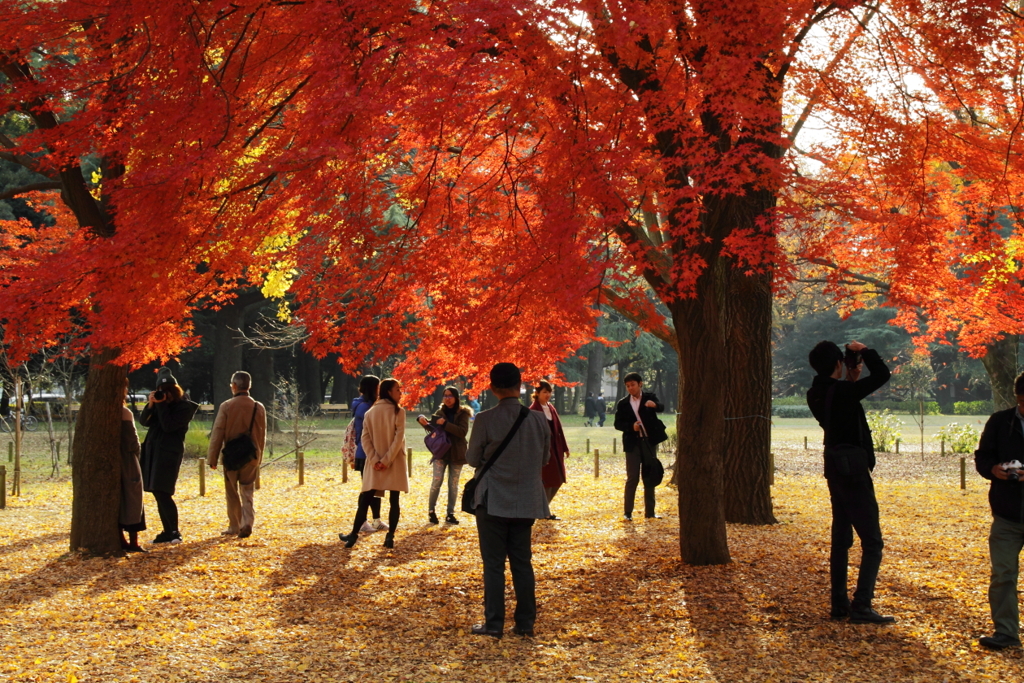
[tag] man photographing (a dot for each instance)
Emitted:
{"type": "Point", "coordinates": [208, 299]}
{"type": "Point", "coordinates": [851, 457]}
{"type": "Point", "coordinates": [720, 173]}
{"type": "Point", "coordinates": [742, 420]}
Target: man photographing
{"type": "Point", "coordinates": [849, 461]}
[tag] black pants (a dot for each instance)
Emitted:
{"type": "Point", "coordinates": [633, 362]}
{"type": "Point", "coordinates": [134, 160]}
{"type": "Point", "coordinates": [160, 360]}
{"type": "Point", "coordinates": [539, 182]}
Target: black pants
{"type": "Point", "coordinates": [500, 538]}
{"type": "Point", "coordinates": [366, 499]}
{"type": "Point", "coordinates": [632, 481]}
{"type": "Point", "coordinates": [854, 508]}
{"type": "Point", "coordinates": [375, 503]}
{"type": "Point", "coordinates": [167, 509]}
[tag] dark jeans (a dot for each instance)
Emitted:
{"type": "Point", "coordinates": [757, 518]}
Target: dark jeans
{"type": "Point", "coordinates": [366, 499]}
{"type": "Point", "coordinates": [167, 509]}
{"type": "Point", "coordinates": [375, 503]}
{"type": "Point", "coordinates": [854, 508]}
{"type": "Point", "coordinates": [502, 537]}
{"type": "Point", "coordinates": [632, 481]}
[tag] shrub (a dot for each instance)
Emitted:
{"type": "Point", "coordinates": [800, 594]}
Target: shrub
{"type": "Point", "coordinates": [886, 428]}
{"type": "Point", "coordinates": [961, 438]}
{"type": "Point", "coordinates": [791, 411]}
{"type": "Point", "coordinates": [972, 408]}
{"type": "Point", "coordinates": [197, 442]}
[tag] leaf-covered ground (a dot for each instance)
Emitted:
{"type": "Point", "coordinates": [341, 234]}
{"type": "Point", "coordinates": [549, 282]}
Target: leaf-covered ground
{"type": "Point", "coordinates": [291, 604]}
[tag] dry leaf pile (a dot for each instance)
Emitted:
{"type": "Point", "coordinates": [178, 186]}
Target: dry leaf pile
{"type": "Point", "coordinates": [291, 604]}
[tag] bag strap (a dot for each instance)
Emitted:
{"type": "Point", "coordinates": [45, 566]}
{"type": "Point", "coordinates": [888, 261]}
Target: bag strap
{"type": "Point", "coordinates": [523, 412]}
{"type": "Point", "coordinates": [252, 421]}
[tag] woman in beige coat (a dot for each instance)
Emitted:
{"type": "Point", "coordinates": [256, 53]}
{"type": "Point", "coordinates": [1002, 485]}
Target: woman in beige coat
{"type": "Point", "coordinates": [383, 442]}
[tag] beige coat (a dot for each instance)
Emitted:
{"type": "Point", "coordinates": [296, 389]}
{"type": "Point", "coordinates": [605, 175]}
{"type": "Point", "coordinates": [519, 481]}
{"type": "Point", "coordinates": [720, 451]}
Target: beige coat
{"type": "Point", "coordinates": [384, 441]}
{"type": "Point", "coordinates": [233, 419]}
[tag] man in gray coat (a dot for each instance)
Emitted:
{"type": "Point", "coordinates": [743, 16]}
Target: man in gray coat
{"type": "Point", "coordinates": [509, 497]}
{"type": "Point", "coordinates": [236, 416]}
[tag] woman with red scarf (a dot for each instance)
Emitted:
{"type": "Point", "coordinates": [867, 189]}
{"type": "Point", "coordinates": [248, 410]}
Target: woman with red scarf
{"type": "Point", "coordinates": [553, 473]}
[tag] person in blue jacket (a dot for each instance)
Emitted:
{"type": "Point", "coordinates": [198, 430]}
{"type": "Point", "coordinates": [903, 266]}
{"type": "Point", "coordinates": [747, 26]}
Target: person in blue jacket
{"type": "Point", "coordinates": [368, 387]}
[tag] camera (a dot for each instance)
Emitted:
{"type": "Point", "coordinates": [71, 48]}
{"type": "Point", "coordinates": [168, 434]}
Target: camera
{"type": "Point", "coordinates": [851, 358]}
{"type": "Point", "coordinates": [1013, 470]}
{"type": "Point", "coordinates": [159, 396]}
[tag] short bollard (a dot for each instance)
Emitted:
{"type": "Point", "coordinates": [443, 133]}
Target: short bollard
{"type": "Point", "coordinates": [897, 446]}
{"type": "Point", "coordinates": [942, 448]}
{"type": "Point", "coordinates": [597, 463]}
{"type": "Point", "coordinates": [344, 471]}
{"type": "Point", "coordinates": [202, 477]}
{"type": "Point", "coordinates": [408, 459]}
{"type": "Point", "coordinates": [302, 468]}
{"type": "Point", "coordinates": [3, 487]}
{"type": "Point", "coordinates": [771, 468]}
{"type": "Point", "coordinates": [10, 451]}
{"type": "Point", "coordinates": [805, 443]}
{"type": "Point", "coordinates": [588, 445]}
{"type": "Point", "coordinates": [615, 446]}
{"type": "Point", "coordinates": [963, 474]}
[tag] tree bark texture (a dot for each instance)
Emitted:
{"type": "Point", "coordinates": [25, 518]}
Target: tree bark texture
{"type": "Point", "coordinates": [1001, 363]}
{"type": "Point", "coordinates": [595, 369]}
{"type": "Point", "coordinates": [747, 322]}
{"type": "Point", "coordinates": [227, 350]}
{"type": "Point", "coordinates": [96, 473]}
{"type": "Point", "coordinates": [307, 376]}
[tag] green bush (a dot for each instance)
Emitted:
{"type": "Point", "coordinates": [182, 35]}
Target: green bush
{"type": "Point", "coordinates": [791, 410]}
{"type": "Point", "coordinates": [910, 407]}
{"type": "Point", "coordinates": [886, 428]}
{"type": "Point", "coordinates": [197, 442]}
{"type": "Point", "coordinates": [800, 400]}
{"type": "Point", "coordinates": [972, 408]}
{"type": "Point", "coordinates": [960, 438]}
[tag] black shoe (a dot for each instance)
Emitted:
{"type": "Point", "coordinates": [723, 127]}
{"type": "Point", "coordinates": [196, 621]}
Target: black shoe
{"type": "Point", "coordinates": [838, 613]}
{"type": "Point", "coordinates": [433, 517]}
{"type": "Point", "coordinates": [652, 516]}
{"type": "Point", "coordinates": [450, 519]}
{"type": "Point", "coordinates": [869, 616]}
{"type": "Point", "coordinates": [349, 540]}
{"type": "Point", "coordinates": [553, 517]}
{"type": "Point", "coordinates": [167, 537]}
{"type": "Point", "coordinates": [627, 518]}
{"type": "Point", "coordinates": [998, 641]}
{"type": "Point", "coordinates": [134, 549]}
{"type": "Point", "coordinates": [481, 630]}
{"type": "Point", "coordinates": [245, 532]}
{"type": "Point", "coordinates": [524, 632]}
{"type": "Point", "coordinates": [389, 540]}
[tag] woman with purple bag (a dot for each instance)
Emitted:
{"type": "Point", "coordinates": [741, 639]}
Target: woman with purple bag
{"type": "Point", "coordinates": [454, 419]}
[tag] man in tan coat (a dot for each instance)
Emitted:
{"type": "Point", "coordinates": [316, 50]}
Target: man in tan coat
{"type": "Point", "coordinates": [234, 419]}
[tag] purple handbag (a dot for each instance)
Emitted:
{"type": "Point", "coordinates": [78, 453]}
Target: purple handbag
{"type": "Point", "coordinates": [437, 442]}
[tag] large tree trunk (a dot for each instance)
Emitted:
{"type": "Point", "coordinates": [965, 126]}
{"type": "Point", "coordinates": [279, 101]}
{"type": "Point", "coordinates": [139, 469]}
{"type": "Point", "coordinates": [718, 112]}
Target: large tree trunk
{"type": "Point", "coordinates": [747, 322]}
{"type": "Point", "coordinates": [307, 376]}
{"type": "Point", "coordinates": [1001, 363]}
{"type": "Point", "coordinates": [96, 473]}
{"type": "Point", "coordinates": [595, 369]}
{"type": "Point", "coordinates": [702, 532]}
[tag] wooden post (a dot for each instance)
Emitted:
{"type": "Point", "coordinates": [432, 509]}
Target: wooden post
{"type": "Point", "coordinates": [302, 467]}
{"type": "Point", "coordinates": [3, 486]}
{"type": "Point", "coordinates": [202, 478]}
{"type": "Point", "coordinates": [942, 447]}
{"type": "Point", "coordinates": [16, 483]}
{"type": "Point", "coordinates": [897, 446]}
{"type": "Point", "coordinates": [805, 443]}
{"type": "Point", "coordinates": [771, 468]}
{"type": "Point", "coordinates": [10, 451]}
{"type": "Point", "coordinates": [615, 445]}
{"type": "Point", "coordinates": [963, 474]}
{"type": "Point", "coordinates": [408, 459]}
{"type": "Point", "coordinates": [588, 445]}
{"type": "Point", "coordinates": [597, 463]}
{"type": "Point", "coordinates": [344, 471]}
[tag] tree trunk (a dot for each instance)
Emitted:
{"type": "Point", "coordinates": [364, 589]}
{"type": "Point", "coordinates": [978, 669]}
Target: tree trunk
{"type": "Point", "coordinates": [307, 376]}
{"type": "Point", "coordinates": [96, 473]}
{"type": "Point", "coordinates": [747, 323]}
{"type": "Point", "coordinates": [227, 350]}
{"type": "Point", "coordinates": [595, 369]}
{"type": "Point", "coordinates": [1001, 363]}
{"type": "Point", "coordinates": [259, 363]}
{"type": "Point", "coordinates": [697, 321]}
{"type": "Point", "coordinates": [560, 400]}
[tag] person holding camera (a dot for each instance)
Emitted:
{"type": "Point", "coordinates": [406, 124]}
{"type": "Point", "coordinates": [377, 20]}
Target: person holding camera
{"type": "Point", "coordinates": [849, 461]}
{"type": "Point", "coordinates": [167, 415]}
{"type": "Point", "coordinates": [997, 459]}
{"type": "Point", "coordinates": [454, 418]}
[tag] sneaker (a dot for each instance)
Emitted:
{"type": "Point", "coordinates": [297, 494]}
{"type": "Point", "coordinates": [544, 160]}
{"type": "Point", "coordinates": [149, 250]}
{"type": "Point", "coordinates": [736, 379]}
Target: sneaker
{"type": "Point", "coordinates": [175, 537]}
{"type": "Point", "coordinates": [165, 537]}
{"type": "Point", "coordinates": [367, 528]}
{"type": "Point", "coordinates": [450, 519]}
{"type": "Point", "coordinates": [869, 616]}
{"type": "Point", "coordinates": [433, 517]}
{"type": "Point", "coordinates": [380, 525]}
{"type": "Point", "coordinates": [998, 641]}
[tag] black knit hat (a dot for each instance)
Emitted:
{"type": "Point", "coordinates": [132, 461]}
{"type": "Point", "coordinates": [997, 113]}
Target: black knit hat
{"type": "Point", "coordinates": [164, 376]}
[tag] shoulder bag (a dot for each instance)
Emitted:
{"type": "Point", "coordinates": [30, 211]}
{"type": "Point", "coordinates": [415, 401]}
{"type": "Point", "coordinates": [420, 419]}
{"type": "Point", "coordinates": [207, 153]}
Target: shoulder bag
{"type": "Point", "coordinates": [241, 450]}
{"type": "Point", "coordinates": [469, 490]}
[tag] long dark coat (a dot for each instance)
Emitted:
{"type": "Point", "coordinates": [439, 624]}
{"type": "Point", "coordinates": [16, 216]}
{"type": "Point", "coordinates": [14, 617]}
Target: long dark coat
{"type": "Point", "coordinates": [164, 446]}
{"type": "Point", "coordinates": [554, 473]}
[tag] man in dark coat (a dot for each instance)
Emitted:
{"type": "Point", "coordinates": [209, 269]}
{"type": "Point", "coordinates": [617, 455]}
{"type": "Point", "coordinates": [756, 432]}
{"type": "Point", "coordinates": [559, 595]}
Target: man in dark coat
{"type": "Point", "coordinates": [1002, 442]}
{"type": "Point", "coordinates": [836, 405]}
{"type": "Point", "coordinates": [589, 410]}
{"type": "Point", "coordinates": [635, 416]}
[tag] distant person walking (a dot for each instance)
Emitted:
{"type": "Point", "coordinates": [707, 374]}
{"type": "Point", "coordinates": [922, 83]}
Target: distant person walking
{"type": "Point", "coordinates": [237, 416]}
{"type": "Point", "coordinates": [636, 417]}
{"type": "Point", "coordinates": [554, 474]}
{"type": "Point", "coordinates": [509, 497]}
{"type": "Point", "coordinates": [131, 516]}
{"type": "Point", "coordinates": [368, 387]}
{"type": "Point", "coordinates": [602, 408]}
{"type": "Point", "coordinates": [454, 419]}
{"type": "Point", "coordinates": [383, 442]}
{"type": "Point", "coordinates": [589, 409]}
{"type": "Point", "coordinates": [167, 415]}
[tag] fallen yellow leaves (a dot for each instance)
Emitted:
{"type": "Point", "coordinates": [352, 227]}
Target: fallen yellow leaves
{"type": "Point", "coordinates": [290, 604]}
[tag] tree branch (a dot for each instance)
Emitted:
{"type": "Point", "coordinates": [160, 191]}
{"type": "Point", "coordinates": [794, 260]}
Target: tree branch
{"type": "Point", "coordinates": [656, 327]}
{"type": "Point", "coordinates": [32, 187]}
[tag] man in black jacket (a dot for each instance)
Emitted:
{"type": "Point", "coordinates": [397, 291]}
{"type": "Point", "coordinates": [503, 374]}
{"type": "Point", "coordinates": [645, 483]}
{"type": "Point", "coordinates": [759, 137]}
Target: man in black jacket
{"type": "Point", "coordinates": [633, 413]}
{"type": "Point", "coordinates": [1003, 442]}
{"type": "Point", "coordinates": [836, 405]}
